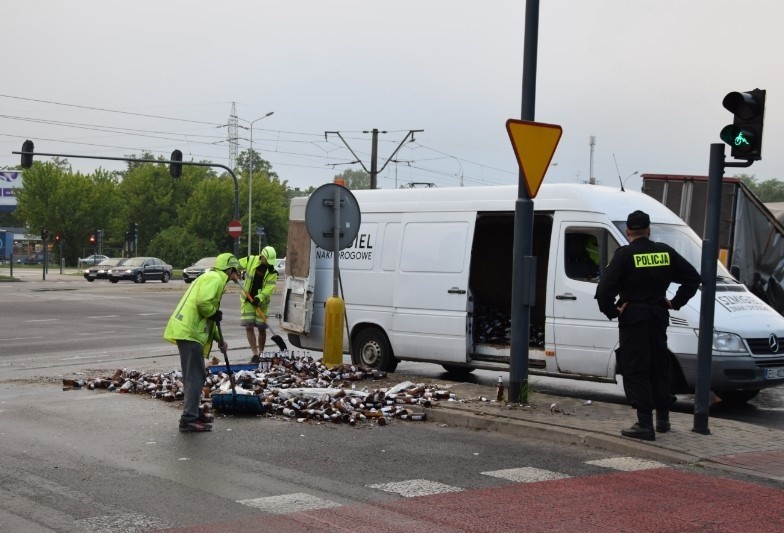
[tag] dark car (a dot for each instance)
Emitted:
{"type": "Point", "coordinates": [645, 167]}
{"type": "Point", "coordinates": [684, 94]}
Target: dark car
{"type": "Point", "coordinates": [198, 268]}
{"type": "Point", "coordinates": [141, 269]}
{"type": "Point", "coordinates": [101, 270]}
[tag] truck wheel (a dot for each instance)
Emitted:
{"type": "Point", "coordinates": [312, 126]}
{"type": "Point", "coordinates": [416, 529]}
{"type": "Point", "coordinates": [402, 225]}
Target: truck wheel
{"type": "Point", "coordinates": [736, 397]}
{"type": "Point", "coordinates": [458, 370]}
{"type": "Point", "coordinates": [372, 349]}
{"type": "Point", "coordinates": [165, 278]}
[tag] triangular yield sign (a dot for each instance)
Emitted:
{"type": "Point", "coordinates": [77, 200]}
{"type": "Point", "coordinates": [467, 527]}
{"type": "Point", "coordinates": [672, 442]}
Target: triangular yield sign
{"type": "Point", "coordinates": [534, 144]}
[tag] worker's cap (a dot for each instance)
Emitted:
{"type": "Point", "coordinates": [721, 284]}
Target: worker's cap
{"type": "Point", "coordinates": [269, 253]}
{"type": "Point", "coordinates": [226, 261]}
{"type": "Point", "coordinates": [638, 220]}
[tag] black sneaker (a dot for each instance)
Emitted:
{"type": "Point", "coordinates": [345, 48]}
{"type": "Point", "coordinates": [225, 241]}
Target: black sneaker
{"type": "Point", "coordinates": [204, 418]}
{"type": "Point", "coordinates": [194, 427]}
{"type": "Point", "coordinates": [255, 360]}
{"type": "Point", "coordinates": [639, 432]}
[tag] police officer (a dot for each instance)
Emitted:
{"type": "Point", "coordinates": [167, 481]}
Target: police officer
{"type": "Point", "coordinates": [639, 275]}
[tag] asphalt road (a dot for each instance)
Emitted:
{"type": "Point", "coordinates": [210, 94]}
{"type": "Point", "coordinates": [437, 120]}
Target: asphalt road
{"type": "Point", "coordinates": [82, 460]}
{"type": "Point", "coordinates": [52, 328]}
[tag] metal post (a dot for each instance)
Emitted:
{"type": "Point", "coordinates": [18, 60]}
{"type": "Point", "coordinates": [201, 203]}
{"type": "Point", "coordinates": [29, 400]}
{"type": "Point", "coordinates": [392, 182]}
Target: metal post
{"type": "Point", "coordinates": [522, 262]}
{"type": "Point", "coordinates": [250, 182]}
{"type": "Point", "coordinates": [374, 160]}
{"type": "Point", "coordinates": [336, 240]}
{"type": "Point", "coordinates": [710, 250]}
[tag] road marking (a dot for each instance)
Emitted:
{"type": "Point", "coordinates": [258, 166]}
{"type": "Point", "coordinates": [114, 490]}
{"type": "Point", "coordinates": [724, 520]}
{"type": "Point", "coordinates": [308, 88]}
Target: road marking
{"type": "Point", "coordinates": [413, 488]}
{"type": "Point", "coordinates": [526, 474]}
{"type": "Point", "coordinates": [20, 338]}
{"type": "Point", "coordinates": [626, 464]}
{"type": "Point", "coordinates": [289, 503]}
{"type": "Point", "coordinates": [43, 320]}
{"type": "Point", "coordinates": [105, 316]}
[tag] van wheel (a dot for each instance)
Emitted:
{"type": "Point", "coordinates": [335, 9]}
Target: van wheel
{"type": "Point", "coordinates": [458, 370]}
{"type": "Point", "coordinates": [372, 349]}
{"type": "Point", "coordinates": [736, 397]}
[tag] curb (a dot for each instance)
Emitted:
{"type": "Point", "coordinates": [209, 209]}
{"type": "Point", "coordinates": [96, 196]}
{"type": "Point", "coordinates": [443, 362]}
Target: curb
{"type": "Point", "coordinates": [557, 434]}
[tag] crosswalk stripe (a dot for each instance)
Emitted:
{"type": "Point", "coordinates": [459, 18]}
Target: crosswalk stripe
{"type": "Point", "coordinates": [289, 503]}
{"type": "Point", "coordinates": [413, 488]}
{"type": "Point", "coordinates": [626, 464]}
{"type": "Point", "coordinates": [526, 474]}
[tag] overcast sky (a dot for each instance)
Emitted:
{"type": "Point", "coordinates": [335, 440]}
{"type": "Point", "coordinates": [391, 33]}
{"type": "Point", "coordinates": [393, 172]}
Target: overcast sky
{"type": "Point", "coordinates": [645, 77]}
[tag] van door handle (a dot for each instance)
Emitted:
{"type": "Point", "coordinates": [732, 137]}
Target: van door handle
{"type": "Point", "coordinates": [567, 296]}
{"type": "Point", "coordinates": [455, 290]}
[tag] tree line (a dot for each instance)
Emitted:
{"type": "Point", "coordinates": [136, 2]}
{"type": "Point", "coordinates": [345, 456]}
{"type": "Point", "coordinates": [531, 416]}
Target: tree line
{"type": "Point", "coordinates": [179, 219]}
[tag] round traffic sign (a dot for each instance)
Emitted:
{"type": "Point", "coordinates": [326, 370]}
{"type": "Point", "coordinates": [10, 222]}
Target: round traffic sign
{"type": "Point", "coordinates": [320, 219]}
{"type": "Point", "coordinates": [235, 228]}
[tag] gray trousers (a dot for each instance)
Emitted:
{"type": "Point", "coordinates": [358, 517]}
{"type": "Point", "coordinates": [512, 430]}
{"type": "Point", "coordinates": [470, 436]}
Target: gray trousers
{"type": "Point", "coordinates": [193, 375]}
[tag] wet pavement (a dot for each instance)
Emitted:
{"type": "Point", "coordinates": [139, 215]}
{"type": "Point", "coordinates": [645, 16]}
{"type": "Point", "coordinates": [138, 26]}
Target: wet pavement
{"type": "Point", "coordinates": [733, 445]}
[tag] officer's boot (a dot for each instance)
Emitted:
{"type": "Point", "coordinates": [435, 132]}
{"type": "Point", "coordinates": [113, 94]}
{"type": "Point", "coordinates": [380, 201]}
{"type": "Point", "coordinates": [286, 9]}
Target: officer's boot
{"type": "Point", "coordinates": [662, 420]}
{"type": "Point", "coordinates": [643, 429]}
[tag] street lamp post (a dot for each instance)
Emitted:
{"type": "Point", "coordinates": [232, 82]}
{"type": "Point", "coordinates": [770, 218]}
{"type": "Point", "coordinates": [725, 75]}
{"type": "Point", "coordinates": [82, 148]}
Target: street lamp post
{"type": "Point", "coordinates": [250, 180]}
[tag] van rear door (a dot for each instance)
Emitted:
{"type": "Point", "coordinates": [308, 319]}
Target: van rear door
{"type": "Point", "coordinates": [298, 288]}
{"type": "Point", "coordinates": [431, 286]}
{"type": "Point", "coordinates": [584, 338]}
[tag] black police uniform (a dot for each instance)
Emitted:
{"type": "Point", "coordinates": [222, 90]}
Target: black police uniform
{"type": "Point", "coordinates": [639, 274]}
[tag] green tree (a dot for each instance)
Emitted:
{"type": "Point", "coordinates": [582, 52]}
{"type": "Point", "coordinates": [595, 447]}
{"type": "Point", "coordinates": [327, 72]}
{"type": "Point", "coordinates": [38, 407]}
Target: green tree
{"type": "Point", "coordinates": [771, 190]}
{"type": "Point", "coordinates": [355, 179]}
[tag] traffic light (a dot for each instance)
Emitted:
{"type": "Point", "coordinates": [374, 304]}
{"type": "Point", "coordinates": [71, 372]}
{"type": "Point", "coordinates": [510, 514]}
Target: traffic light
{"type": "Point", "coordinates": [175, 169]}
{"type": "Point", "coordinates": [133, 230]}
{"type": "Point", "coordinates": [744, 135]}
{"type": "Point", "coordinates": [99, 236]}
{"type": "Point", "coordinates": [57, 238]}
{"type": "Point", "coordinates": [27, 159]}
{"type": "Point", "coordinates": [92, 238]}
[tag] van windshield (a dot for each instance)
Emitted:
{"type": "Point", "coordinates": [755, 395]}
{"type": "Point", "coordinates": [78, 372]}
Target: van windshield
{"type": "Point", "coordinates": [685, 242]}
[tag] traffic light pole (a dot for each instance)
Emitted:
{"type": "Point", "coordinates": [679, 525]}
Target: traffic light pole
{"type": "Point", "coordinates": [710, 251]}
{"type": "Point", "coordinates": [27, 154]}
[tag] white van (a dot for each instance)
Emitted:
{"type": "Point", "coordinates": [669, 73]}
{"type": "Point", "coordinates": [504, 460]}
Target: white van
{"type": "Point", "coordinates": [429, 278]}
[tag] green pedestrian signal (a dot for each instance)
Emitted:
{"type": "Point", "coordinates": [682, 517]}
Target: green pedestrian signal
{"type": "Point", "coordinates": [744, 135]}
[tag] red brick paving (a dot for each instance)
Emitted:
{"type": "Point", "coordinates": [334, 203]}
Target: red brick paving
{"type": "Point", "coordinates": [660, 500]}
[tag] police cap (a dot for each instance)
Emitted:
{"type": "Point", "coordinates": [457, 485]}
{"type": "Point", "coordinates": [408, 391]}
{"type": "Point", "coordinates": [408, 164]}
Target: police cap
{"type": "Point", "coordinates": [638, 220]}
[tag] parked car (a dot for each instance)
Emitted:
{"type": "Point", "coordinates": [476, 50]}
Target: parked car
{"type": "Point", "coordinates": [141, 269]}
{"type": "Point", "coordinates": [93, 259]}
{"type": "Point", "coordinates": [281, 267]}
{"type": "Point", "coordinates": [197, 269]}
{"type": "Point", "coordinates": [101, 270]}
{"type": "Point", "coordinates": [37, 259]}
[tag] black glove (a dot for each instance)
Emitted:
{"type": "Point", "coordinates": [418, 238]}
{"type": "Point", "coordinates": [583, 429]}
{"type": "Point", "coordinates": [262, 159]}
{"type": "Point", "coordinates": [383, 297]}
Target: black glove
{"type": "Point", "coordinates": [217, 317]}
{"type": "Point", "coordinates": [256, 302]}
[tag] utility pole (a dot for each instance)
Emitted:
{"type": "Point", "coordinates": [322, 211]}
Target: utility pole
{"type": "Point", "coordinates": [592, 143]}
{"type": "Point", "coordinates": [374, 170]}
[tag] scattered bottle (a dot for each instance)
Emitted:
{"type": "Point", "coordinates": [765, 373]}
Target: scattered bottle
{"type": "Point", "coordinates": [499, 394]}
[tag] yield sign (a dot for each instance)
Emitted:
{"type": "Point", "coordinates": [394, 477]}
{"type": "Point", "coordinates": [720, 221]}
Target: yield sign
{"type": "Point", "coordinates": [534, 144]}
{"type": "Point", "coordinates": [235, 228]}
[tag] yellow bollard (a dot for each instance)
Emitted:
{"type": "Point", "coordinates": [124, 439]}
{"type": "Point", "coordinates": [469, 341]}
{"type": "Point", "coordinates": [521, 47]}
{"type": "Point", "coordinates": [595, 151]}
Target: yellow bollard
{"type": "Point", "coordinates": [333, 332]}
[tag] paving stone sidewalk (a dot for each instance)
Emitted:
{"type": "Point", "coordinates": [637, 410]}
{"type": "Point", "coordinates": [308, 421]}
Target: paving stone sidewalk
{"type": "Point", "coordinates": [748, 448]}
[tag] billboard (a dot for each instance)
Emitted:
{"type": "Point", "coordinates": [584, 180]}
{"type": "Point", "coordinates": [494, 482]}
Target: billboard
{"type": "Point", "coordinates": [10, 181]}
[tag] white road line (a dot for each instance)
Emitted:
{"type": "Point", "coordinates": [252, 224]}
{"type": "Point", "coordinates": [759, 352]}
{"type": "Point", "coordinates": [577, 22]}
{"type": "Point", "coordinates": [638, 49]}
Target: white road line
{"type": "Point", "coordinates": [104, 316]}
{"type": "Point", "coordinates": [626, 464]}
{"type": "Point", "coordinates": [526, 474]}
{"type": "Point", "coordinates": [289, 503]}
{"type": "Point", "coordinates": [43, 320]}
{"type": "Point", "coordinates": [20, 338]}
{"type": "Point", "coordinates": [413, 488]}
